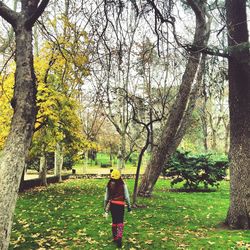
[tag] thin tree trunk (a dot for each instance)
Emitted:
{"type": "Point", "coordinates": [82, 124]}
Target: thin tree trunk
{"type": "Point", "coordinates": [151, 142]}
{"type": "Point", "coordinates": [58, 162]}
{"type": "Point", "coordinates": [168, 143]}
{"type": "Point", "coordinates": [43, 170]}
{"type": "Point", "coordinates": [122, 156]}
{"type": "Point", "coordinates": [213, 132]}
{"type": "Point", "coordinates": [238, 216]}
{"type": "Point", "coordinates": [214, 140]}
{"type": "Point", "coordinates": [139, 165]}
{"type": "Point", "coordinates": [204, 129]}
{"type": "Point", "coordinates": [110, 153]}
{"type": "Point", "coordinates": [203, 117]}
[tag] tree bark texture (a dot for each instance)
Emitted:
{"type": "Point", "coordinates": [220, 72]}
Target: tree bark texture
{"type": "Point", "coordinates": [147, 143]}
{"type": "Point", "coordinates": [170, 133]}
{"type": "Point", "coordinates": [43, 170]}
{"type": "Point", "coordinates": [18, 142]}
{"type": "Point", "coordinates": [203, 118]}
{"type": "Point", "coordinates": [12, 160]}
{"type": "Point", "coordinates": [238, 216]}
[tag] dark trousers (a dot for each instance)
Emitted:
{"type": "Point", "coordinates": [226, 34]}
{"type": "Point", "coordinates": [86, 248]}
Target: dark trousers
{"type": "Point", "coordinates": [117, 212]}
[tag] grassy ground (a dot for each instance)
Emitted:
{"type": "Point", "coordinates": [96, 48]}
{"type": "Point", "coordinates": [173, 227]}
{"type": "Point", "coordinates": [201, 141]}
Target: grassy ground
{"type": "Point", "coordinates": [69, 216]}
{"type": "Point", "coordinates": [94, 167]}
{"type": "Point", "coordinates": [82, 168]}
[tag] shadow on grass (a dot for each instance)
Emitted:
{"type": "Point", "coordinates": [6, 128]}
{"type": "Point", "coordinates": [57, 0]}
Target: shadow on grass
{"type": "Point", "coordinates": [192, 190]}
{"type": "Point", "coordinates": [223, 226]}
{"type": "Point", "coordinates": [139, 206]}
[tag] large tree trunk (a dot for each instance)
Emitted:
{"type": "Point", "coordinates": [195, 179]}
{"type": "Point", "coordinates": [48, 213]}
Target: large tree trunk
{"type": "Point", "coordinates": [13, 157]}
{"type": "Point", "coordinates": [239, 102]}
{"type": "Point", "coordinates": [12, 160]}
{"type": "Point", "coordinates": [170, 136]}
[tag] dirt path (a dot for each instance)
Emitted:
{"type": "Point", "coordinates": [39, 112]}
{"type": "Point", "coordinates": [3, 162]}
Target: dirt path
{"type": "Point", "coordinates": [32, 174]}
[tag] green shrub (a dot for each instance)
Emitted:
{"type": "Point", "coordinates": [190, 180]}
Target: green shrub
{"type": "Point", "coordinates": [106, 165]}
{"type": "Point", "coordinates": [68, 161]}
{"type": "Point", "coordinates": [194, 170]}
{"type": "Point", "coordinates": [33, 161]}
{"type": "Point", "coordinates": [133, 159]}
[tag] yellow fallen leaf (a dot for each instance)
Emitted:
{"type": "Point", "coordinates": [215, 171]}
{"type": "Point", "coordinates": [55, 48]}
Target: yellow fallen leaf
{"type": "Point", "coordinates": [132, 240]}
{"type": "Point", "coordinates": [149, 242]}
{"type": "Point", "coordinates": [211, 242]}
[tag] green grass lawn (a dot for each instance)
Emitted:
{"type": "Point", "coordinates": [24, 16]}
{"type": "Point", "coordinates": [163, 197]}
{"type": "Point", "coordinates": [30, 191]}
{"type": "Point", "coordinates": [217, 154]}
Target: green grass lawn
{"type": "Point", "coordinates": [94, 167]}
{"type": "Point", "coordinates": [82, 168]}
{"type": "Point", "coordinates": [69, 216]}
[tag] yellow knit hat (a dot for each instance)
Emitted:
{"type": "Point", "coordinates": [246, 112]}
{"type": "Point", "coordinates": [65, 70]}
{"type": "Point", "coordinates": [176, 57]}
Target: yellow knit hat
{"type": "Point", "coordinates": [115, 174]}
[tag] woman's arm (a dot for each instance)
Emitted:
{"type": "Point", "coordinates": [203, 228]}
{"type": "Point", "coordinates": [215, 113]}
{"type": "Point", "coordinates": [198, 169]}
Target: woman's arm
{"type": "Point", "coordinates": [126, 195]}
{"type": "Point", "coordinates": [106, 199]}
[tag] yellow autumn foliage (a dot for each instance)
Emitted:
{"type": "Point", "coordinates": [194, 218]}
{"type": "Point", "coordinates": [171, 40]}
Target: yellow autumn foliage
{"type": "Point", "coordinates": [6, 111]}
{"type": "Point", "coordinates": [58, 72]}
{"type": "Point", "coordinates": [60, 68]}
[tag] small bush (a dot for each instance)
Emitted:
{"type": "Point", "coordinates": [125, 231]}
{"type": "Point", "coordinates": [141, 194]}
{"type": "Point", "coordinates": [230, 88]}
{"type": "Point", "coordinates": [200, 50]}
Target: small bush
{"type": "Point", "coordinates": [195, 170]}
{"type": "Point", "coordinates": [68, 161]}
{"type": "Point", "coordinates": [106, 165]}
{"type": "Point", "coordinates": [133, 159]}
{"type": "Point", "coordinates": [33, 161]}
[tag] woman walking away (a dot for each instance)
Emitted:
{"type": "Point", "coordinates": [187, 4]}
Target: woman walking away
{"type": "Point", "coordinates": [115, 198]}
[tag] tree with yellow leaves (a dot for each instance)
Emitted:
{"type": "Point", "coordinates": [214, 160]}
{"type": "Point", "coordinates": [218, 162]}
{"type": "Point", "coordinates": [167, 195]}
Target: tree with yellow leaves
{"type": "Point", "coordinates": [6, 111]}
{"type": "Point", "coordinates": [59, 75]}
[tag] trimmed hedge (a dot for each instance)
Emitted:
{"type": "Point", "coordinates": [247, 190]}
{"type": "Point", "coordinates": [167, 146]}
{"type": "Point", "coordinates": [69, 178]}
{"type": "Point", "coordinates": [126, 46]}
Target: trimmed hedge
{"type": "Point", "coordinates": [28, 184]}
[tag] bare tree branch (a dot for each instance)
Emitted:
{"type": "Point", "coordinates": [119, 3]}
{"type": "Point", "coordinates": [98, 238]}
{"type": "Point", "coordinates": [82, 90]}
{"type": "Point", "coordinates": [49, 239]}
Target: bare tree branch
{"type": "Point", "coordinates": [197, 9]}
{"type": "Point", "coordinates": [40, 9]}
{"type": "Point", "coordinates": [206, 50]}
{"type": "Point", "coordinates": [8, 14]}
{"type": "Point", "coordinates": [159, 14]}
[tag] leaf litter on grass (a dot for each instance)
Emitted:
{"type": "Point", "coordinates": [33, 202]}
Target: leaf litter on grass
{"type": "Point", "coordinates": [69, 216]}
